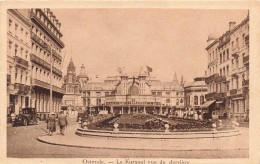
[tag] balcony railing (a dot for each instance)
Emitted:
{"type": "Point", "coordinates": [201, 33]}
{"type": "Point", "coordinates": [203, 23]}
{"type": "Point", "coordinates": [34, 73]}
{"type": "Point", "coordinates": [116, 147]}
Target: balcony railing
{"type": "Point", "coordinates": [37, 19]}
{"type": "Point", "coordinates": [211, 78]}
{"type": "Point", "coordinates": [55, 54]}
{"type": "Point", "coordinates": [22, 88]}
{"type": "Point", "coordinates": [39, 61]}
{"type": "Point", "coordinates": [220, 79]}
{"type": "Point", "coordinates": [40, 42]}
{"type": "Point", "coordinates": [235, 52]}
{"type": "Point", "coordinates": [246, 59]}
{"type": "Point", "coordinates": [8, 79]}
{"type": "Point", "coordinates": [56, 71]}
{"type": "Point", "coordinates": [245, 83]}
{"type": "Point", "coordinates": [47, 86]}
{"type": "Point", "coordinates": [233, 92]}
{"type": "Point", "coordinates": [215, 95]}
{"type": "Point", "coordinates": [21, 61]}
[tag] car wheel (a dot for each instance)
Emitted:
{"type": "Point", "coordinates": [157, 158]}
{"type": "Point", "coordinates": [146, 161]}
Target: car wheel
{"type": "Point", "coordinates": [37, 121]}
{"type": "Point", "coordinates": [25, 122]}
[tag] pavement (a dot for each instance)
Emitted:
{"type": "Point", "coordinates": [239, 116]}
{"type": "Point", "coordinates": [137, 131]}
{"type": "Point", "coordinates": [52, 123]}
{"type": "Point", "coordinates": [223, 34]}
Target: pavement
{"type": "Point", "coordinates": [70, 139]}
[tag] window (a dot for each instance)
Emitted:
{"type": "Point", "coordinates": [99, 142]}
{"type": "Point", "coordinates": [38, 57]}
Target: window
{"type": "Point", "coordinates": [168, 93]}
{"type": "Point", "coordinates": [168, 101]}
{"type": "Point", "coordinates": [237, 42]}
{"type": "Point", "coordinates": [98, 94]}
{"type": "Point", "coordinates": [220, 58]}
{"type": "Point", "coordinates": [195, 100]}
{"type": "Point", "coordinates": [10, 25]}
{"type": "Point", "coordinates": [15, 51]}
{"type": "Point", "coordinates": [227, 70]}
{"type": "Point", "coordinates": [220, 72]}
{"type": "Point", "coordinates": [106, 93]}
{"type": "Point", "coordinates": [237, 82]}
{"type": "Point", "coordinates": [224, 71]}
{"type": "Point", "coordinates": [243, 39]}
{"type": "Point", "coordinates": [177, 102]}
{"type": "Point", "coordinates": [224, 56]}
{"type": "Point", "coordinates": [227, 54]}
{"type": "Point", "coordinates": [228, 86]}
{"type": "Point", "coordinates": [201, 99]}
{"type": "Point", "coordinates": [16, 27]}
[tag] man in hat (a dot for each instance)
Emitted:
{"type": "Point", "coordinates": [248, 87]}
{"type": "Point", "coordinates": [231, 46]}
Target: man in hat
{"type": "Point", "coordinates": [51, 123]}
{"type": "Point", "coordinates": [63, 122]}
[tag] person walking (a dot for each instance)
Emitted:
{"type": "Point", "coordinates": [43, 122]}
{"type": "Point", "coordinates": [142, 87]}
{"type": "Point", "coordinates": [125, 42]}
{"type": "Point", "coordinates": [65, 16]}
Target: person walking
{"type": "Point", "coordinates": [51, 123]}
{"type": "Point", "coordinates": [63, 122]}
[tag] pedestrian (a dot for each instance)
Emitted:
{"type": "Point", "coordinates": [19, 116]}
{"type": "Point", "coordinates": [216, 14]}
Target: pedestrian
{"type": "Point", "coordinates": [63, 122]}
{"type": "Point", "coordinates": [51, 123]}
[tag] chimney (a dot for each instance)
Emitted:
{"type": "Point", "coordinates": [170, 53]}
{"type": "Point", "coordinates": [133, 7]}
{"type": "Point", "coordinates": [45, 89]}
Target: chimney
{"type": "Point", "coordinates": [232, 25]}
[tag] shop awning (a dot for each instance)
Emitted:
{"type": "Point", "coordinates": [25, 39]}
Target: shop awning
{"type": "Point", "coordinates": [219, 102]}
{"type": "Point", "coordinates": [207, 104]}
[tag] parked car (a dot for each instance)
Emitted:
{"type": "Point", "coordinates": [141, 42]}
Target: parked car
{"type": "Point", "coordinates": [27, 116]}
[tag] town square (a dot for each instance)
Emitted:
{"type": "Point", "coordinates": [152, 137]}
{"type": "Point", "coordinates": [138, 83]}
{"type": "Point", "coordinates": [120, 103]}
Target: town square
{"type": "Point", "coordinates": [127, 83]}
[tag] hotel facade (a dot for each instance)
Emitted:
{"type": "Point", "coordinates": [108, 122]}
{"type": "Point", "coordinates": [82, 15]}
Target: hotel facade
{"type": "Point", "coordinates": [228, 72]}
{"type": "Point", "coordinates": [34, 61]}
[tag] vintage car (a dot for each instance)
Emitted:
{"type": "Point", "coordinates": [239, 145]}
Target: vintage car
{"type": "Point", "coordinates": [27, 116]}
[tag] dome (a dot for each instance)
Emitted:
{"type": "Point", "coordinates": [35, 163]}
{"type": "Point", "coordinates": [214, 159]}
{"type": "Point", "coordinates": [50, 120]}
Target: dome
{"type": "Point", "coordinates": [71, 67]}
{"type": "Point", "coordinates": [133, 90]}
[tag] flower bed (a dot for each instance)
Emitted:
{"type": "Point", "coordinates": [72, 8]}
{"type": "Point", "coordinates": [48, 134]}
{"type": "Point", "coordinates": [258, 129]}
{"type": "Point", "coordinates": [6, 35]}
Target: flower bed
{"type": "Point", "coordinates": [156, 123]}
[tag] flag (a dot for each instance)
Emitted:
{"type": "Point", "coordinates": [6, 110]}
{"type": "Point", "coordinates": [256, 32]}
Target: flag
{"type": "Point", "coordinates": [149, 69]}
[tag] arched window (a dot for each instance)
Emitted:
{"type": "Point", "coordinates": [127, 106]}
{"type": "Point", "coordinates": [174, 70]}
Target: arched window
{"type": "Point", "coordinates": [195, 100]}
{"type": "Point", "coordinates": [84, 102]}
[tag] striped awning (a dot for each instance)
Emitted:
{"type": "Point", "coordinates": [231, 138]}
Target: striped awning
{"type": "Point", "coordinates": [207, 104]}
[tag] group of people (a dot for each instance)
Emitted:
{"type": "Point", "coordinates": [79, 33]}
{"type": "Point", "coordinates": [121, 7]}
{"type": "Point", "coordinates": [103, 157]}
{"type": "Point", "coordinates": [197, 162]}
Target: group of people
{"type": "Point", "coordinates": [61, 121]}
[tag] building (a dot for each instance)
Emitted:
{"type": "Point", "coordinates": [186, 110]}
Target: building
{"type": "Point", "coordinates": [129, 93]}
{"type": "Point", "coordinates": [72, 101]}
{"type": "Point", "coordinates": [46, 61]}
{"type": "Point", "coordinates": [195, 94]}
{"type": "Point", "coordinates": [18, 61]}
{"type": "Point", "coordinates": [227, 73]}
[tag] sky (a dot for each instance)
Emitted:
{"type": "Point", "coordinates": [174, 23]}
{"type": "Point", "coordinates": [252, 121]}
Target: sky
{"type": "Point", "coordinates": [167, 40]}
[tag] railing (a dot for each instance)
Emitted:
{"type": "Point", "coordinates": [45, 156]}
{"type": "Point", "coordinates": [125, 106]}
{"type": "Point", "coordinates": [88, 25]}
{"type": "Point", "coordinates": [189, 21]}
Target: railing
{"type": "Point", "coordinates": [40, 42]}
{"type": "Point", "coordinates": [56, 71]}
{"type": "Point", "coordinates": [21, 61]}
{"type": "Point", "coordinates": [39, 61]}
{"type": "Point", "coordinates": [47, 86]}
{"type": "Point", "coordinates": [8, 79]}
{"type": "Point", "coordinates": [22, 88]}
{"type": "Point", "coordinates": [215, 95]}
{"type": "Point", "coordinates": [220, 79]}
{"type": "Point", "coordinates": [235, 52]}
{"type": "Point", "coordinates": [37, 19]}
{"type": "Point", "coordinates": [54, 53]}
{"type": "Point", "coordinates": [233, 92]}
{"type": "Point", "coordinates": [245, 83]}
{"type": "Point", "coordinates": [211, 78]}
{"type": "Point", "coordinates": [246, 59]}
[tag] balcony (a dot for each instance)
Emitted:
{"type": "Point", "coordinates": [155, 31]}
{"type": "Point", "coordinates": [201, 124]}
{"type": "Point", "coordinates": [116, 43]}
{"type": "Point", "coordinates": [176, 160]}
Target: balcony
{"type": "Point", "coordinates": [235, 52]}
{"type": "Point", "coordinates": [38, 21]}
{"type": "Point", "coordinates": [56, 71]}
{"type": "Point", "coordinates": [215, 95]}
{"type": "Point", "coordinates": [22, 88]}
{"type": "Point", "coordinates": [246, 60]}
{"type": "Point", "coordinates": [211, 78]}
{"type": "Point", "coordinates": [55, 54]}
{"type": "Point", "coordinates": [233, 92]}
{"type": "Point", "coordinates": [47, 86]}
{"type": "Point", "coordinates": [40, 42]}
{"type": "Point", "coordinates": [220, 79]}
{"type": "Point", "coordinates": [21, 61]}
{"type": "Point", "coordinates": [39, 61]}
{"type": "Point", "coordinates": [245, 83]}
{"type": "Point", "coordinates": [247, 39]}
{"type": "Point", "coordinates": [8, 79]}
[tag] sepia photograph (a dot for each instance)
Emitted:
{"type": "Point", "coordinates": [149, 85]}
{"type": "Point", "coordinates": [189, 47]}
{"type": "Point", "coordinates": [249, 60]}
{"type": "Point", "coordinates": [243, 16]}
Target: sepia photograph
{"type": "Point", "coordinates": [127, 83]}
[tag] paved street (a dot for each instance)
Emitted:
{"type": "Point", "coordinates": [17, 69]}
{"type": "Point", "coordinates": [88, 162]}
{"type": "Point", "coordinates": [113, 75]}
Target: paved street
{"type": "Point", "coordinates": [22, 143]}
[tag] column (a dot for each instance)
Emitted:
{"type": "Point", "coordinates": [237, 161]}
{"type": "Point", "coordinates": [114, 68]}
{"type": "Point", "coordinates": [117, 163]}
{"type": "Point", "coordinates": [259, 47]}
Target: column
{"type": "Point", "coordinates": [160, 111]}
{"type": "Point", "coordinates": [122, 110]}
{"type": "Point", "coordinates": [111, 109]}
{"type": "Point", "coordinates": [129, 110]}
{"type": "Point", "coordinates": [144, 110]}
